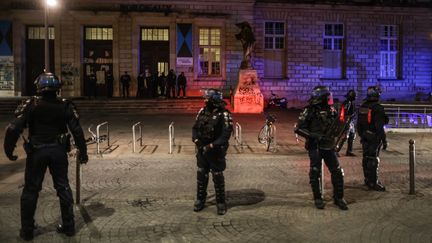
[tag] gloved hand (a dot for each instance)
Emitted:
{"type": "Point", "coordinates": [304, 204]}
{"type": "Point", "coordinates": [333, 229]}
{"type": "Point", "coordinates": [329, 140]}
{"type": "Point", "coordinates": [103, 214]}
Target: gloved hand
{"type": "Point", "coordinates": [198, 143]}
{"type": "Point", "coordinates": [82, 158]}
{"type": "Point", "coordinates": [385, 144]}
{"type": "Point", "coordinates": [208, 147]}
{"type": "Point", "coordinates": [11, 156]}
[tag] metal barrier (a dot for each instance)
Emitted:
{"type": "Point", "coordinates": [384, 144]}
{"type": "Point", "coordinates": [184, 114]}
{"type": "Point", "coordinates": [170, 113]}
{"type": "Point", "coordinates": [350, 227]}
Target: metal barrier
{"type": "Point", "coordinates": [238, 134]}
{"type": "Point", "coordinates": [412, 166]}
{"type": "Point", "coordinates": [134, 139]}
{"type": "Point", "coordinates": [171, 137]}
{"type": "Point", "coordinates": [409, 115]}
{"type": "Point", "coordinates": [100, 139]}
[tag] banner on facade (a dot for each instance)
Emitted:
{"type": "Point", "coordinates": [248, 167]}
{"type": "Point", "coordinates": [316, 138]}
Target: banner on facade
{"type": "Point", "coordinates": [184, 45]}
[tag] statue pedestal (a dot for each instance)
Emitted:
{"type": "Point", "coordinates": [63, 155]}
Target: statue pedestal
{"type": "Point", "coordinates": [247, 95]}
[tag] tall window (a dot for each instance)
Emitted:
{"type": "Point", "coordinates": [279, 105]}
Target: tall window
{"type": "Point", "coordinates": [98, 33]}
{"type": "Point", "coordinates": [333, 50]}
{"type": "Point", "coordinates": [274, 35]}
{"type": "Point", "coordinates": [388, 51]}
{"type": "Point", "coordinates": [38, 33]}
{"type": "Point", "coordinates": [209, 51]}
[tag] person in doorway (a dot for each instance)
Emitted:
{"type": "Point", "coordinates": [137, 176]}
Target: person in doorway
{"type": "Point", "coordinates": [125, 80]}
{"type": "Point", "coordinates": [110, 83]}
{"type": "Point", "coordinates": [171, 84]}
{"type": "Point", "coordinates": [162, 84]}
{"type": "Point", "coordinates": [181, 84]}
{"type": "Point", "coordinates": [141, 85]}
{"type": "Point", "coordinates": [92, 81]}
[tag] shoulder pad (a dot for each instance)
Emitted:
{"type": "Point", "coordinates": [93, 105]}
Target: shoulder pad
{"type": "Point", "coordinates": [199, 112]}
{"type": "Point", "coordinates": [70, 106]}
{"type": "Point", "coordinates": [25, 106]}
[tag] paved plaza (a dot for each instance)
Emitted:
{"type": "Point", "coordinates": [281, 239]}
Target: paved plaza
{"type": "Point", "coordinates": [148, 196]}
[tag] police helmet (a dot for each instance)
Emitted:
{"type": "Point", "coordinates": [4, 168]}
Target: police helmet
{"type": "Point", "coordinates": [213, 95]}
{"type": "Point", "coordinates": [47, 82]}
{"type": "Point", "coordinates": [321, 95]}
{"type": "Point", "coordinates": [351, 95]}
{"type": "Point", "coordinates": [373, 92]}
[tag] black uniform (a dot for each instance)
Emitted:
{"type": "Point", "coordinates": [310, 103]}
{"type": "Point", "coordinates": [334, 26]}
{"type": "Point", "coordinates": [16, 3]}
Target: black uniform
{"type": "Point", "coordinates": [171, 84]}
{"type": "Point", "coordinates": [348, 110]}
{"type": "Point", "coordinates": [211, 133]}
{"type": "Point", "coordinates": [48, 119]}
{"type": "Point", "coordinates": [125, 80]}
{"type": "Point", "coordinates": [315, 124]}
{"type": "Point", "coordinates": [370, 127]}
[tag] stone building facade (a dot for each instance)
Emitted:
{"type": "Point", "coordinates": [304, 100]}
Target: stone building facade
{"type": "Point", "coordinates": [298, 45]}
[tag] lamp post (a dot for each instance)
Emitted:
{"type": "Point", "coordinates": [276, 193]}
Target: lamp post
{"type": "Point", "coordinates": [48, 4]}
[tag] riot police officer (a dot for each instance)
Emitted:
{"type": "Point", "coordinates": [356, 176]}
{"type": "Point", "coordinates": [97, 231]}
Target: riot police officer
{"type": "Point", "coordinates": [210, 133]}
{"type": "Point", "coordinates": [316, 124]}
{"type": "Point", "coordinates": [370, 127]}
{"type": "Point", "coordinates": [347, 112]}
{"type": "Point", "coordinates": [48, 119]}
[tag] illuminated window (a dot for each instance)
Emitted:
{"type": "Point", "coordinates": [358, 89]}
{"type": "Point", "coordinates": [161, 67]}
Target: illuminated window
{"type": "Point", "coordinates": [154, 34]}
{"type": "Point", "coordinates": [98, 33]}
{"type": "Point", "coordinates": [388, 51]}
{"type": "Point", "coordinates": [162, 68]}
{"type": "Point", "coordinates": [333, 46]}
{"type": "Point", "coordinates": [38, 33]}
{"type": "Point", "coordinates": [274, 35]}
{"type": "Point", "coordinates": [209, 51]}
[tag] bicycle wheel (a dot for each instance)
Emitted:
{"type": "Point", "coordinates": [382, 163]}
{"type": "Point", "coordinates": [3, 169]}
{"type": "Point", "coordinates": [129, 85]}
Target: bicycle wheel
{"type": "Point", "coordinates": [262, 135]}
{"type": "Point", "coordinates": [269, 138]}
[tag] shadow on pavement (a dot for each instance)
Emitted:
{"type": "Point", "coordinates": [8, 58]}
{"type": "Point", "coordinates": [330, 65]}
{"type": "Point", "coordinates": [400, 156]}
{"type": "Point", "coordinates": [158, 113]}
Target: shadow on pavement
{"type": "Point", "coordinates": [244, 197]}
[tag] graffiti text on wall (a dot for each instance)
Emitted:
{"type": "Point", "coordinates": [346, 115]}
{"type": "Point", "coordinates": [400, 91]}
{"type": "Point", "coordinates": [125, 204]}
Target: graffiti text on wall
{"type": "Point", "coordinates": [6, 73]}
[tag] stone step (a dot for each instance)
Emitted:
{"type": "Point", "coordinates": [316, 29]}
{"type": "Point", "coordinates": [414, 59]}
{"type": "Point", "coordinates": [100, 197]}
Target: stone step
{"type": "Point", "coordinates": [122, 106]}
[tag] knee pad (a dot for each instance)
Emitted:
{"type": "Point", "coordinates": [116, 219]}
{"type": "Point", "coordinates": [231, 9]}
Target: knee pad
{"type": "Point", "coordinates": [202, 174]}
{"type": "Point", "coordinates": [314, 173]}
{"type": "Point", "coordinates": [338, 172]}
{"type": "Point", "coordinates": [372, 162]}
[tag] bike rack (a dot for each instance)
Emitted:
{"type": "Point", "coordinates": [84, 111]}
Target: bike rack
{"type": "Point", "coordinates": [134, 139]}
{"type": "Point", "coordinates": [238, 134]}
{"type": "Point", "coordinates": [99, 139]}
{"type": "Point", "coordinates": [171, 137]}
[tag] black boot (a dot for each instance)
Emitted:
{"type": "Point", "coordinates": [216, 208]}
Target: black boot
{"type": "Point", "coordinates": [373, 182]}
{"type": "Point", "coordinates": [202, 182]}
{"type": "Point", "coordinates": [315, 179]}
{"type": "Point", "coordinates": [337, 178]}
{"type": "Point", "coordinates": [219, 184]}
{"type": "Point", "coordinates": [341, 203]}
{"type": "Point", "coordinates": [67, 230]}
{"type": "Point", "coordinates": [26, 235]}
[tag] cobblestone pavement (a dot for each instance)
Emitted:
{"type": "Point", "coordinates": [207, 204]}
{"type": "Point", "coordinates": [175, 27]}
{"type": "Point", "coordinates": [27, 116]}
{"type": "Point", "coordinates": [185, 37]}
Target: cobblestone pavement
{"type": "Point", "coordinates": [148, 196]}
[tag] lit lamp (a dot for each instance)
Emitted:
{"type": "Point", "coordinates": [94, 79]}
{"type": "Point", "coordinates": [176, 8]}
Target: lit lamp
{"type": "Point", "coordinates": [48, 4]}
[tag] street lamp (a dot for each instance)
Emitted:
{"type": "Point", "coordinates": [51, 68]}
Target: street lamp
{"type": "Point", "coordinates": [48, 4]}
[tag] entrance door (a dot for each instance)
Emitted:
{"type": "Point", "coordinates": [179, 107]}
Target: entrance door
{"type": "Point", "coordinates": [35, 55]}
{"type": "Point", "coordinates": [154, 51]}
{"type": "Point", "coordinates": [98, 60]}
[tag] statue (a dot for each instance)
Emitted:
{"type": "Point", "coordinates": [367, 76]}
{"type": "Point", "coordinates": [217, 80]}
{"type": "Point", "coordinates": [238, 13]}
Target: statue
{"type": "Point", "coordinates": [247, 39]}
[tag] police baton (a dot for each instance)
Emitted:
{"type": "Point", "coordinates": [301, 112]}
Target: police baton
{"type": "Point", "coordinates": [78, 179]}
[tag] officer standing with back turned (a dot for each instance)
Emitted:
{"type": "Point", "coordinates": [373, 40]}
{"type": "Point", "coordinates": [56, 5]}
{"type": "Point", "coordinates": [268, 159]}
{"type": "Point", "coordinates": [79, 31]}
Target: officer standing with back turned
{"type": "Point", "coordinates": [370, 127]}
{"type": "Point", "coordinates": [316, 124]}
{"type": "Point", "coordinates": [48, 119]}
{"type": "Point", "coordinates": [211, 133]}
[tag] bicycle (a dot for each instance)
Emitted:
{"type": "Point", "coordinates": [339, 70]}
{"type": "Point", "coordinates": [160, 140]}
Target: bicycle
{"type": "Point", "coordinates": [267, 134]}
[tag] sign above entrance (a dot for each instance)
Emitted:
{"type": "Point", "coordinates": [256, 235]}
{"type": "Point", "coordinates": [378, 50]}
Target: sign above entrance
{"type": "Point", "coordinates": [184, 61]}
